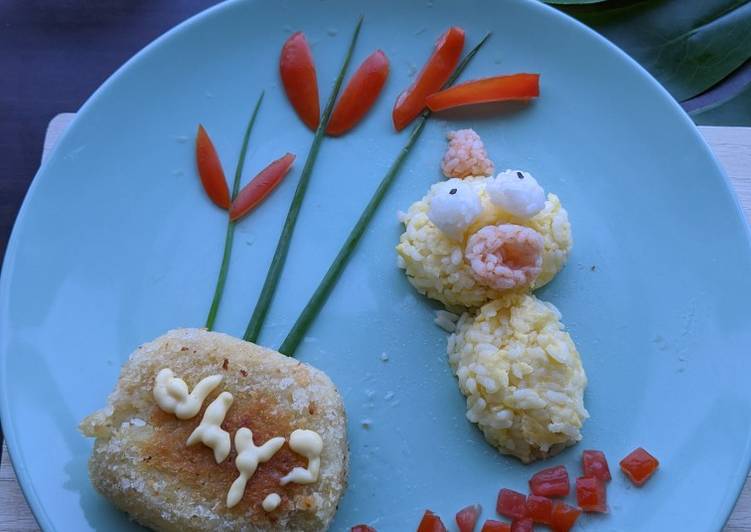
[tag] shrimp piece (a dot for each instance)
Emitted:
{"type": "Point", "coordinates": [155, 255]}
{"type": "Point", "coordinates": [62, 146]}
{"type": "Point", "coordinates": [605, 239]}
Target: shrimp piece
{"type": "Point", "coordinates": [505, 256]}
{"type": "Point", "coordinates": [466, 155]}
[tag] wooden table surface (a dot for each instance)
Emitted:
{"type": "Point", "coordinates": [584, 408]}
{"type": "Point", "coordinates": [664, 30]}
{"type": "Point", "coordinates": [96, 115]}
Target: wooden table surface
{"type": "Point", "coordinates": [731, 145]}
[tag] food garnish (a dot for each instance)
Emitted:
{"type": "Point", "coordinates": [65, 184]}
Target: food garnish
{"type": "Point", "coordinates": [540, 509]}
{"type": "Point", "coordinates": [511, 504]}
{"type": "Point", "coordinates": [550, 482]}
{"type": "Point", "coordinates": [639, 466]}
{"type": "Point", "coordinates": [466, 518]}
{"type": "Point", "coordinates": [431, 78]}
{"type": "Point", "coordinates": [298, 73]}
{"type": "Point", "coordinates": [210, 170]}
{"type": "Point", "coordinates": [486, 90]}
{"type": "Point", "coordinates": [230, 233]}
{"type": "Point", "coordinates": [360, 94]}
{"type": "Point", "coordinates": [260, 186]}
{"type": "Point", "coordinates": [564, 516]}
{"type": "Point", "coordinates": [317, 300]}
{"type": "Point", "coordinates": [431, 523]}
{"type": "Point", "coordinates": [280, 253]}
{"type": "Point", "coordinates": [594, 464]}
{"type": "Point", "coordinates": [591, 495]}
{"type": "Point", "coordinates": [491, 525]}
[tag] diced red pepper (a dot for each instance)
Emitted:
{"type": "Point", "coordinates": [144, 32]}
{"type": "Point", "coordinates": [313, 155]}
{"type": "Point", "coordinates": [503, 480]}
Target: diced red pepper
{"type": "Point", "coordinates": [210, 170]}
{"type": "Point", "coordinates": [466, 518]}
{"type": "Point", "coordinates": [540, 509]}
{"type": "Point", "coordinates": [523, 525]}
{"type": "Point", "coordinates": [639, 466]}
{"type": "Point", "coordinates": [431, 523]}
{"type": "Point", "coordinates": [550, 482]}
{"type": "Point", "coordinates": [511, 504]}
{"type": "Point", "coordinates": [299, 79]}
{"type": "Point", "coordinates": [486, 90]}
{"type": "Point", "coordinates": [594, 464]}
{"type": "Point", "coordinates": [564, 516]}
{"type": "Point", "coordinates": [431, 78]}
{"type": "Point", "coordinates": [591, 495]}
{"type": "Point", "coordinates": [362, 528]}
{"type": "Point", "coordinates": [360, 94]}
{"type": "Point", "coordinates": [491, 525]}
{"type": "Point", "coordinates": [260, 186]}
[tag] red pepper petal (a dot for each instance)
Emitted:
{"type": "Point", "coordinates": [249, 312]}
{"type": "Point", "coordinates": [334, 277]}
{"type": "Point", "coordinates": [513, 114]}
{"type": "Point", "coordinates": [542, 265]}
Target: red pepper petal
{"type": "Point", "coordinates": [639, 466]}
{"type": "Point", "coordinates": [360, 94]}
{"type": "Point", "coordinates": [260, 186]}
{"type": "Point", "coordinates": [591, 495]}
{"type": "Point", "coordinates": [466, 518]}
{"type": "Point", "coordinates": [495, 89]}
{"type": "Point", "coordinates": [492, 525]}
{"type": "Point", "coordinates": [594, 464]}
{"type": "Point", "coordinates": [431, 523]}
{"type": "Point", "coordinates": [550, 482]}
{"type": "Point", "coordinates": [564, 516]}
{"type": "Point", "coordinates": [511, 504]}
{"type": "Point", "coordinates": [431, 78]}
{"type": "Point", "coordinates": [299, 78]}
{"type": "Point", "coordinates": [210, 170]}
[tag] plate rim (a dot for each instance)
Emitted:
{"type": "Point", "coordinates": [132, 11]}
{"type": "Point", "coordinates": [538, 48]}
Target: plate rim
{"type": "Point", "coordinates": [15, 453]}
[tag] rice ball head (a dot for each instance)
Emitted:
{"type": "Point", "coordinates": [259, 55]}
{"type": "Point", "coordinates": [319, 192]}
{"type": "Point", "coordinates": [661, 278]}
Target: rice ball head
{"type": "Point", "coordinates": [434, 261]}
{"type": "Point", "coordinates": [522, 376]}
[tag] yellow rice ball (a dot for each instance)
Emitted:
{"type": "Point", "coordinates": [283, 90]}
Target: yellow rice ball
{"type": "Point", "coordinates": [522, 376]}
{"type": "Point", "coordinates": [435, 263]}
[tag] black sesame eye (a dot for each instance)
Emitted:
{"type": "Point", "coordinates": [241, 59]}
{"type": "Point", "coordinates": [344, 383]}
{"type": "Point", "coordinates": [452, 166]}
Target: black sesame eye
{"type": "Point", "coordinates": [519, 175]}
{"type": "Point", "coordinates": [452, 191]}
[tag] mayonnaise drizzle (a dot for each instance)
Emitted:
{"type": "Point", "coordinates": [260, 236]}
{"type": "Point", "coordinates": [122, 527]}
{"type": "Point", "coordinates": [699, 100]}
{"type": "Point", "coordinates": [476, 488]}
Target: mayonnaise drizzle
{"type": "Point", "coordinates": [248, 458]}
{"type": "Point", "coordinates": [271, 502]}
{"type": "Point", "coordinates": [171, 393]}
{"type": "Point", "coordinates": [309, 444]}
{"type": "Point", "coordinates": [210, 432]}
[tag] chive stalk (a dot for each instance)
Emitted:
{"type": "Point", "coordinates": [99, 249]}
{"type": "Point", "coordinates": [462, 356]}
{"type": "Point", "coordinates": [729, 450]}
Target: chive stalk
{"type": "Point", "coordinates": [319, 297]}
{"type": "Point", "coordinates": [282, 247]}
{"type": "Point", "coordinates": [230, 234]}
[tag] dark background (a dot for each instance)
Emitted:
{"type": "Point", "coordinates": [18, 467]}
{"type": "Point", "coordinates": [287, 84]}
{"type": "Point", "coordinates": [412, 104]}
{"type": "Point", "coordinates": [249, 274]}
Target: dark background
{"type": "Point", "coordinates": [53, 55]}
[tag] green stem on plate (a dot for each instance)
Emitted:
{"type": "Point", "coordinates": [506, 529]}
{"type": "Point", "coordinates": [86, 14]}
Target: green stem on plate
{"type": "Point", "coordinates": [317, 300]}
{"type": "Point", "coordinates": [229, 237]}
{"type": "Point", "coordinates": [282, 246]}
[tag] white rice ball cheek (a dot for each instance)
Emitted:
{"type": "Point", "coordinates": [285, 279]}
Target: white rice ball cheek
{"type": "Point", "coordinates": [516, 192]}
{"type": "Point", "coordinates": [454, 206]}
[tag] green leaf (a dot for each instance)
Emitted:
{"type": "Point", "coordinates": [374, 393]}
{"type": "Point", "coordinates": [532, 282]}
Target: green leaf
{"type": "Point", "coordinates": [687, 45]}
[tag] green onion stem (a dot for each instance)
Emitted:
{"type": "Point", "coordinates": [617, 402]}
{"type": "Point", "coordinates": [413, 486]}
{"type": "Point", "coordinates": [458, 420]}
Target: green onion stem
{"type": "Point", "coordinates": [282, 246]}
{"type": "Point", "coordinates": [318, 299]}
{"type": "Point", "coordinates": [230, 234]}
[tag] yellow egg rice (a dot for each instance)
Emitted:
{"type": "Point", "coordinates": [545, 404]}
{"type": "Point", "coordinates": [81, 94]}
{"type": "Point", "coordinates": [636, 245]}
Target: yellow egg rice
{"type": "Point", "coordinates": [435, 264]}
{"type": "Point", "coordinates": [522, 376]}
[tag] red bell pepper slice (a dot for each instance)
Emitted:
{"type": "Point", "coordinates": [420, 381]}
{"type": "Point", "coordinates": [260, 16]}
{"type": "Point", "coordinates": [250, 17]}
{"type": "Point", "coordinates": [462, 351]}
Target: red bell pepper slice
{"type": "Point", "coordinates": [360, 94]}
{"type": "Point", "coordinates": [591, 495]}
{"type": "Point", "coordinates": [491, 525]}
{"type": "Point", "coordinates": [540, 509]}
{"type": "Point", "coordinates": [466, 518]}
{"type": "Point", "coordinates": [431, 78]}
{"type": "Point", "coordinates": [210, 170]}
{"type": "Point", "coordinates": [495, 89]}
{"type": "Point", "coordinates": [594, 464]}
{"type": "Point", "coordinates": [564, 516]}
{"type": "Point", "coordinates": [298, 74]}
{"type": "Point", "coordinates": [523, 525]}
{"type": "Point", "coordinates": [431, 523]}
{"type": "Point", "coordinates": [511, 504]}
{"type": "Point", "coordinates": [260, 186]}
{"type": "Point", "coordinates": [639, 466]}
{"type": "Point", "coordinates": [550, 482]}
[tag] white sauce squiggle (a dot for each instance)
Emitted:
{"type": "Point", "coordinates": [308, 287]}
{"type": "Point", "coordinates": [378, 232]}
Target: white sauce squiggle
{"type": "Point", "coordinates": [309, 444]}
{"type": "Point", "coordinates": [171, 393]}
{"type": "Point", "coordinates": [210, 431]}
{"type": "Point", "coordinates": [248, 458]}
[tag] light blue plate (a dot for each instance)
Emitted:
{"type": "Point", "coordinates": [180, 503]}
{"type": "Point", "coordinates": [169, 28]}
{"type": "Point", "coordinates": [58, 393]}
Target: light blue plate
{"type": "Point", "coordinates": [116, 244]}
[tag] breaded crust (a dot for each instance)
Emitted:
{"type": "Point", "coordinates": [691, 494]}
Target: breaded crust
{"type": "Point", "coordinates": [141, 462]}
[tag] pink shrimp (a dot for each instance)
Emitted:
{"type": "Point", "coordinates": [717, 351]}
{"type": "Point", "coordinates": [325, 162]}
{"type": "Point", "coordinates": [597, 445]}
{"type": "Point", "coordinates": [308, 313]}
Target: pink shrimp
{"type": "Point", "coordinates": [505, 256]}
{"type": "Point", "coordinates": [465, 155]}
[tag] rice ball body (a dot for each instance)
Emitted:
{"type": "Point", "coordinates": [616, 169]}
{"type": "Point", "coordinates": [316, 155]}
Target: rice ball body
{"type": "Point", "coordinates": [522, 376]}
{"type": "Point", "coordinates": [435, 262]}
